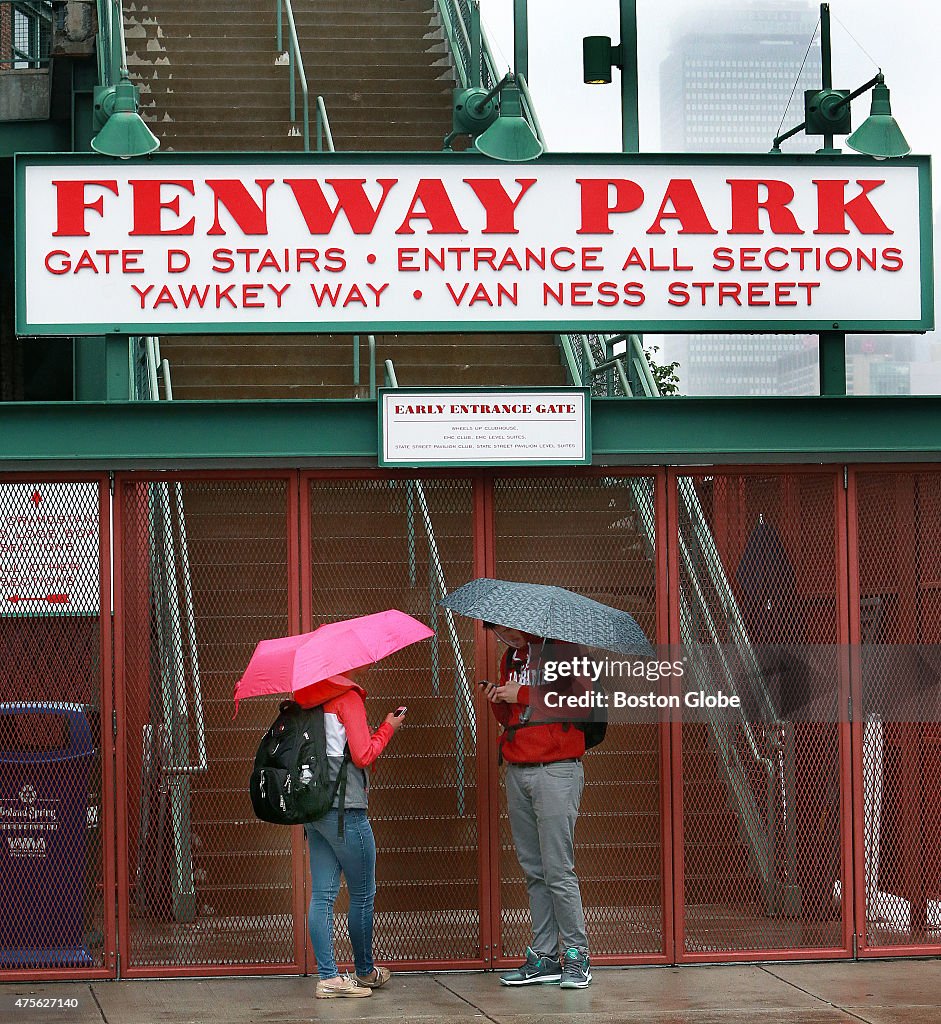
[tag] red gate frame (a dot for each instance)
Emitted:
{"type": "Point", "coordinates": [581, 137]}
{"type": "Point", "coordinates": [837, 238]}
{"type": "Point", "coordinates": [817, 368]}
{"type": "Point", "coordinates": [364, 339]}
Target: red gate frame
{"type": "Point", "coordinates": [106, 740]}
{"type": "Point", "coordinates": [863, 948]}
{"type": "Point", "coordinates": [844, 951]}
{"type": "Point", "coordinates": [115, 871]}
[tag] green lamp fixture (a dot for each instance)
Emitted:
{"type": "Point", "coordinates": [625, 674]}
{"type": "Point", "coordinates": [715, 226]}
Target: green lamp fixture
{"type": "Point", "coordinates": [510, 137]}
{"type": "Point", "coordinates": [501, 133]}
{"type": "Point", "coordinates": [123, 133]}
{"type": "Point", "coordinates": [827, 112]}
{"type": "Point", "coordinates": [598, 58]}
{"type": "Point", "coordinates": [879, 135]}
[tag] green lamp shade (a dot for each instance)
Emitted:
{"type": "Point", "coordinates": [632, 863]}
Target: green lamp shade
{"type": "Point", "coordinates": [879, 135]}
{"type": "Point", "coordinates": [510, 137]}
{"type": "Point", "coordinates": [596, 60]}
{"type": "Point", "coordinates": [124, 133]}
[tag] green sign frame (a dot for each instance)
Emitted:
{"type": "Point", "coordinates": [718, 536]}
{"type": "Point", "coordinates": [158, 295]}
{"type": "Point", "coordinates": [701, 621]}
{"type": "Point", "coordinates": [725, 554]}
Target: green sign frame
{"type": "Point", "coordinates": [632, 320]}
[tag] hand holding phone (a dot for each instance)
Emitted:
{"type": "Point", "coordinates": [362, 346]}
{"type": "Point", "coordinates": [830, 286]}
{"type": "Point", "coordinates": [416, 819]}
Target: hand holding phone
{"type": "Point", "coordinates": [396, 718]}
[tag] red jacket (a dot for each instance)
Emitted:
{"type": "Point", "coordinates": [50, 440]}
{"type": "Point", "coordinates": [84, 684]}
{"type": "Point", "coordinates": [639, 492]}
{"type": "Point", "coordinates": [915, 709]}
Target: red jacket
{"type": "Point", "coordinates": [532, 743]}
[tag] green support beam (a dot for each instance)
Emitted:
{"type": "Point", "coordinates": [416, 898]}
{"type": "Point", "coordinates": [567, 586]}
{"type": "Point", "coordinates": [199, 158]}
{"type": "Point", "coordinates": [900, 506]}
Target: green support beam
{"type": "Point", "coordinates": [636, 431]}
{"type": "Point", "coordinates": [34, 137]}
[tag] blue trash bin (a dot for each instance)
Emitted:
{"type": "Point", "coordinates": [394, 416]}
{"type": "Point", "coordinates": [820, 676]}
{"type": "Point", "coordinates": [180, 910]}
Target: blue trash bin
{"type": "Point", "coordinates": [46, 752]}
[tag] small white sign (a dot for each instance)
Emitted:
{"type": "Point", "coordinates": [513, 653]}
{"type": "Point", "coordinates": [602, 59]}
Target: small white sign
{"type": "Point", "coordinates": [484, 428]}
{"type": "Point", "coordinates": [49, 548]}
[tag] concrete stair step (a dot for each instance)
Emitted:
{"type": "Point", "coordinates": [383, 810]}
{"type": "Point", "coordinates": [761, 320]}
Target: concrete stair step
{"type": "Point", "coordinates": [471, 376]}
{"type": "Point", "coordinates": [266, 376]}
{"type": "Point", "coordinates": [235, 39]}
{"type": "Point", "coordinates": [499, 339]}
{"type": "Point", "coordinates": [307, 392]}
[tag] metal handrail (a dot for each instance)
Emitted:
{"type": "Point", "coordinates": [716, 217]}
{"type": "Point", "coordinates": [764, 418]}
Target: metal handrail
{"type": "Point", "coordinates": [474, 64]}
{"type": "Point", "coordinates": [323, 127]}
{"type": "Point", "coordinates": [112, 47]}
{"type": "Point", "coordinates": [296, 61]}
{"type": "Point", "coordinates": [176, 616]}
{"type": "Point", "coordinates": [465, 712]}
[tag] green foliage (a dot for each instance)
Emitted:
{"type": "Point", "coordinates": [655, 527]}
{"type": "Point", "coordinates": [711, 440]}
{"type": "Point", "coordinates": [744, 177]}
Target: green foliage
{"type": "Point", "coordinates": [663, 373]}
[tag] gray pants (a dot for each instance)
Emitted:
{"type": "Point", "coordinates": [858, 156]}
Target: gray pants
{"type": "Point", "coordinates": [543, 804]}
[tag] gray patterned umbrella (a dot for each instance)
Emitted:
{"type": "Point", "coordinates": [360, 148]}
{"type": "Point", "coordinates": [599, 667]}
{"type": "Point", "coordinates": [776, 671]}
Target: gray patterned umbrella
{"type": "Point", "coordinates": [551, 612]}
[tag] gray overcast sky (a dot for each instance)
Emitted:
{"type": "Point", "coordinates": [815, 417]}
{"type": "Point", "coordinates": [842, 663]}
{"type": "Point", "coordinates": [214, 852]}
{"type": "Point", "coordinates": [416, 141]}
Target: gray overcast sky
{"type": "Point", "coordinates": [901, 36]}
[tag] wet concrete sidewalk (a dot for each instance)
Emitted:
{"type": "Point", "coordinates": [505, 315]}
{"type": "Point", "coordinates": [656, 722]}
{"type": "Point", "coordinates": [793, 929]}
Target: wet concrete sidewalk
{"type": "Point", "coordinates": [873, 992]}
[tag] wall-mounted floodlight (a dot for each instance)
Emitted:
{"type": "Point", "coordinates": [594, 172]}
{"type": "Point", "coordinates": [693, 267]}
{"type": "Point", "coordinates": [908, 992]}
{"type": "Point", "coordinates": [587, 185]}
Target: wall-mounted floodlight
{"type": "Point", "coordinates": [123, 133]}
{"type": "Point", "coordinates": [827, 112]}
{"type": "Point", "coordinates": [598, 58]}
{"type": "Point", "coordinates": [498, 132]}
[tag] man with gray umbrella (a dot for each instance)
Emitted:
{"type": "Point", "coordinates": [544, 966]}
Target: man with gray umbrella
{"type": "Point", "coordinates": [543, 753]}
{"type": "Point", "coordinates": [544, 783]}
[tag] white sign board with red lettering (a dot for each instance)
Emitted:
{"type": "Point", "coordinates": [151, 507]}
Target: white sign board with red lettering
{"type": "Point", "coordinates": [477, 427]}
{"type": "Point", "coordinates": [49, 549]}
{"type": "Point", "coordinates": [335, 242]}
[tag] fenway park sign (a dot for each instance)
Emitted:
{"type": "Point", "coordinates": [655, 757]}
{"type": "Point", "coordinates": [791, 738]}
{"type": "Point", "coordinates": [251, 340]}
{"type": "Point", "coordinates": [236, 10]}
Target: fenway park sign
{"type": "Point", "coordinates": [337, 242]}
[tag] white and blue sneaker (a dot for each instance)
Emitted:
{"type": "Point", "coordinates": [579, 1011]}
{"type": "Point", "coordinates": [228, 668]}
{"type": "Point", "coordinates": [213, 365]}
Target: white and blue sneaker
{"type": "Point", "coordinates": [576, 970]}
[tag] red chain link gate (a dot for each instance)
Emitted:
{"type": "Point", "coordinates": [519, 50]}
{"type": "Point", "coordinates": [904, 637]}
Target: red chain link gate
{"type": "Point", "coordinates": [895, 584]}
{"type": "Point", "coordinates": [696, 842]}
{"type": "Point", "coordinates": [207, 567]}
{"type": "Point", "coordinates": [762, 797]}
{"type": "Point", "coordinates": [56, 764]}
{"type": "Point", "coordinates": [597, 533]}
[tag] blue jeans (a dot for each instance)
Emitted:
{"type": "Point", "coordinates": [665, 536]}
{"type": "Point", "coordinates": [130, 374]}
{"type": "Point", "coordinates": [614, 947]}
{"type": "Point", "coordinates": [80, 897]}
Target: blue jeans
{"type": "Point", "coordinates": [355, 856]}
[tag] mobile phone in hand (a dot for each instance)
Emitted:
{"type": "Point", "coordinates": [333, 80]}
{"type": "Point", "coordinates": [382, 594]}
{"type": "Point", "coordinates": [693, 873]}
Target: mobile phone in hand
{"type": "Point", "coordinates": [399, 712]}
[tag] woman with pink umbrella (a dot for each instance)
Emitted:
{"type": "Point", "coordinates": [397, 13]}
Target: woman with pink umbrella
{"type": "Point", "coordinates": [325, 668]}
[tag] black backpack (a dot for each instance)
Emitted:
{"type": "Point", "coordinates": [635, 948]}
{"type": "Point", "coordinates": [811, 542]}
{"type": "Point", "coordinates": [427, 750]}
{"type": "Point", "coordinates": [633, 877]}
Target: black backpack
{"type": "Point", "coordinates": [594, 732]}
{"type": "Point", "coordinates": [290, 782]}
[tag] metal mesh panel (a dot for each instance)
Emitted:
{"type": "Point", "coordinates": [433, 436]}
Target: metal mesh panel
{"type": "Point", "coordinates": [378, 544]}
{"type": "Point", "coordinates": [899, 537]}
{"type": "Point", "coordinates": [595, 536]}
{"type": "Point", "coordinates": [205, 578]}
{"type": "Point", "coordinates": [761, 795]}
{"type": "Point", "coordinates": [51, 686]}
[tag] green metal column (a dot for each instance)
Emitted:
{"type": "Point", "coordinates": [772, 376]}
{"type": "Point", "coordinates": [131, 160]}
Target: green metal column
{"type": "Point", "coordinates": [826, 65]}
{"type": "Point", "coordinates": [102, 369]}
{"type": "Point", "coordinates": [832, 361]}
{"type": "Point", "coordinates": [521, 38]}
{"type": "Point", "coordinates": [630, 120]}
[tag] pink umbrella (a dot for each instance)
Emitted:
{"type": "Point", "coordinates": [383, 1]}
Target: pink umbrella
{"type": "Point", "coordinates": [293, 664]}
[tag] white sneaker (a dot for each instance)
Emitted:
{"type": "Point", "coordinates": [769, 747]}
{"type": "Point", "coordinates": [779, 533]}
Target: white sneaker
{"type": "Point", "coordinates": [341, 987]}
